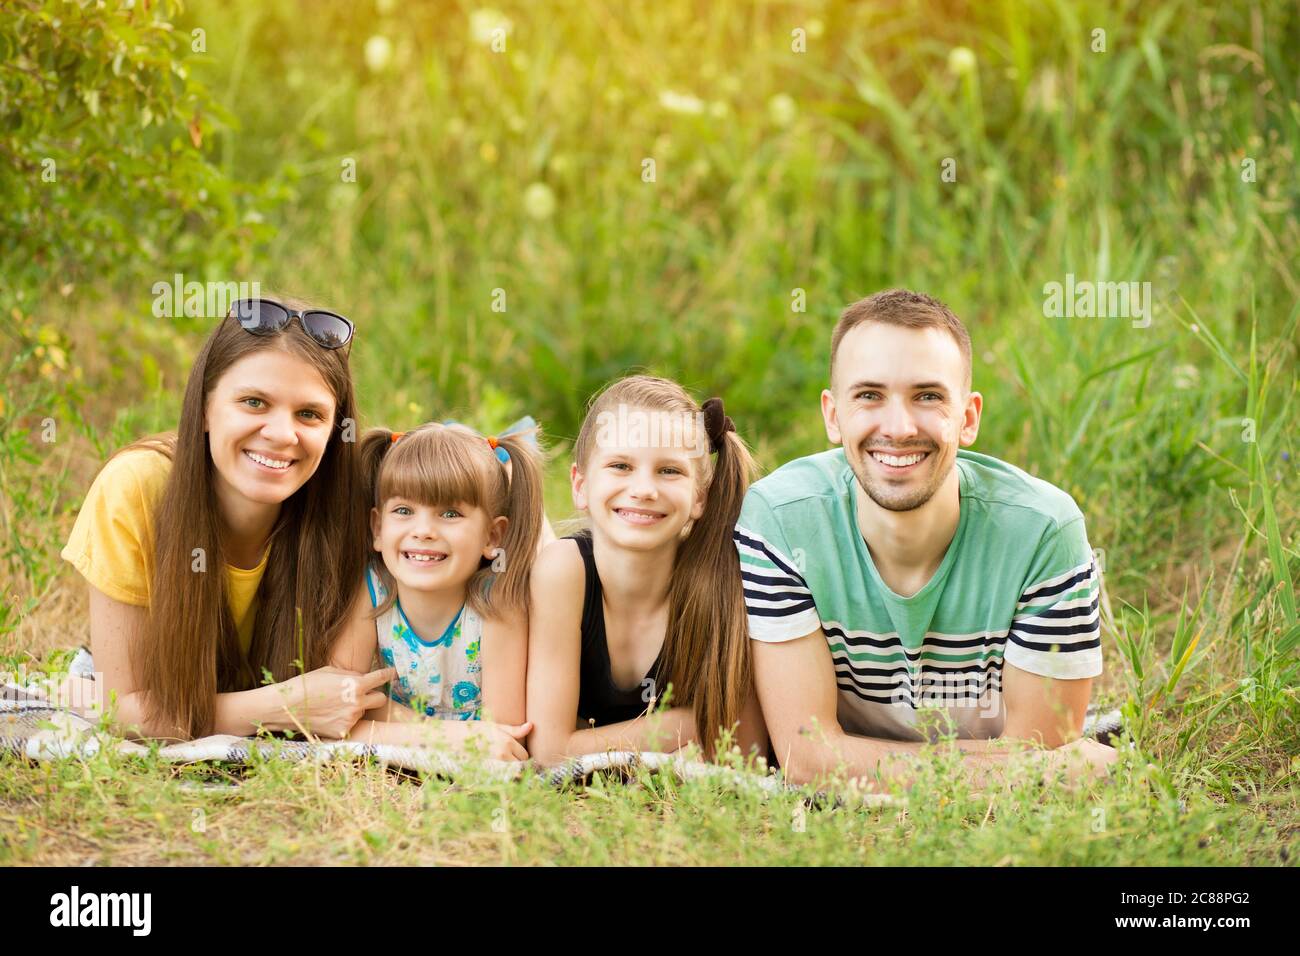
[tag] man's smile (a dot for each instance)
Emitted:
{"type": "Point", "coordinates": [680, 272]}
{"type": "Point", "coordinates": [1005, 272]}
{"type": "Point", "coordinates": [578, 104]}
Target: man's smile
{"type": "Point", "coordinates": [897, 461]}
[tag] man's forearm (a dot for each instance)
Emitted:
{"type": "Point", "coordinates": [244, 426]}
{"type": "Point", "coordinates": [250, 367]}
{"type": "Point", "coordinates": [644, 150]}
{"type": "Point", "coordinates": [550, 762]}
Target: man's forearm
{"type": "Point", "coordinates": [878, 762]}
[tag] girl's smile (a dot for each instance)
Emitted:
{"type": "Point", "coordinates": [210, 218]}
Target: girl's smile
{"type": "Point", "coordinates": [417, 556]}
{"type": "Point", "coordinates": [640, 517]}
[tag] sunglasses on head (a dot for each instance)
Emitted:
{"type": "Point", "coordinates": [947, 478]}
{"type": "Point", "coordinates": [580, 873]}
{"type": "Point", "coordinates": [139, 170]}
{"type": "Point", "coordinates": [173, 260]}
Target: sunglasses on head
{"type": "Point", "coordinates": [266, 317]}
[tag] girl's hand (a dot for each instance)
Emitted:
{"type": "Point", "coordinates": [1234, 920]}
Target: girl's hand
{"type": "Point", "coordinates": [328, 701]}
{"type": "Point", "coordinates": [499, 741]}
{"type": "Point", "coordinates": [670, 730]}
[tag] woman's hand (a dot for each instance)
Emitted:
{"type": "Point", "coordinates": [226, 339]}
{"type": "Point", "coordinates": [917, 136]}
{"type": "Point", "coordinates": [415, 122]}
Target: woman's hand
{"type": "Point", "coordinates": [328, 701]}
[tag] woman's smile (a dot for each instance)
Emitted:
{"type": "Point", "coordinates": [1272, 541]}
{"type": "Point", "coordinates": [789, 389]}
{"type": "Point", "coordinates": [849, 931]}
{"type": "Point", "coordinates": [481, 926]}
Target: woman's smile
{"type": "Point", "coordinates": [274, 464]}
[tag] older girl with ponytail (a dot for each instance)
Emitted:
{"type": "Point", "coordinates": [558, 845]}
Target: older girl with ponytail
{"type": "Point", "coordinates": [455, 521]}
{"type": "Point", "coordinates": [638, 637]}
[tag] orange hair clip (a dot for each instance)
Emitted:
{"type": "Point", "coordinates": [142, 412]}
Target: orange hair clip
{"type": "Point", "coordinates": [395, 436]}
{"type": "Point", "coordinates": [492, 442]}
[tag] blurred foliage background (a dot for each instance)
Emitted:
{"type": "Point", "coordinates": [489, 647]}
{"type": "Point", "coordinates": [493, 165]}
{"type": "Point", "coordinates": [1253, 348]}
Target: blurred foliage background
{"type": "Point", "coordinates": [401, 162]}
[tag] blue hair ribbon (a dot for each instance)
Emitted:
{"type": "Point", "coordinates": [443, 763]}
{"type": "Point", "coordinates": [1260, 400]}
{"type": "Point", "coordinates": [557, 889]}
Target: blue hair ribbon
{"type": "Point", "coordinates": [525, 428]}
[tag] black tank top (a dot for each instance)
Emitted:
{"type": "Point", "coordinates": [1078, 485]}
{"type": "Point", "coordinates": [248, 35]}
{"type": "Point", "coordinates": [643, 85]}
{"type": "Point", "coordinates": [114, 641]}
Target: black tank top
{"type": "Point", "coordinates": [600, 700]}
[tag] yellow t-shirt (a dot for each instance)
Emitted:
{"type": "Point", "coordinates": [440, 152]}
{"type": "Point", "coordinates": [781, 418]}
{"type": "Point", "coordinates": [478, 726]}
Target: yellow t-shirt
{"type": "Point", "coordinates": [112, 541]}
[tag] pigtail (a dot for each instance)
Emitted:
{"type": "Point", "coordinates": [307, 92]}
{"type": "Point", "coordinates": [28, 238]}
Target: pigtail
{"type": "Point", "coordinates": [371, 450]}
{"type": "Point", "coordinates": [709, 660]}
{"type": "Point", "coordinates": [524, 507]}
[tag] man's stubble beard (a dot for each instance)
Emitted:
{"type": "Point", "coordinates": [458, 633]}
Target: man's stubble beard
{"type": "Point", "coordinates": [911, 501]}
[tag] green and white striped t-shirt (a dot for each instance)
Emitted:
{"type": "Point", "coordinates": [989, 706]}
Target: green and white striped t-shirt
{"type": "Point", "coordinates": [1018, 583]}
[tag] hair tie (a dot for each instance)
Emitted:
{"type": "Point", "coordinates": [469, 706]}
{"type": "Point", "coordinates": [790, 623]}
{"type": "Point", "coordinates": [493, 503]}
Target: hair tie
{"type": "Point", "coordinates": [502, 454]}
{"type": "Point", "coordinates": [394, 436]}
{"type": "Point", "coordinates": [716, 422]}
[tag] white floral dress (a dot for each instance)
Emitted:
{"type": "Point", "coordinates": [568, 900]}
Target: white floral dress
{"type": "Point", "coordinates": [441, 677]}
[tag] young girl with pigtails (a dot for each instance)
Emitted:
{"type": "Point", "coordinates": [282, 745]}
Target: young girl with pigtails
{"type": "Point", "coordinates": [456, 519]}
{"type": "Point", "coordinates": [638, 636]}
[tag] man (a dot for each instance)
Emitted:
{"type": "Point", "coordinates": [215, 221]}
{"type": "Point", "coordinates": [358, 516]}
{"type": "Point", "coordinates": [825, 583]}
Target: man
{"type": "Point", "coordinates": [899, 589]}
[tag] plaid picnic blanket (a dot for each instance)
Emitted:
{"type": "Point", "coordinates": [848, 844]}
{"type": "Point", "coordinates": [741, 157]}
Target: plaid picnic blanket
{"type": "Point", "coordinates": [33, 727]}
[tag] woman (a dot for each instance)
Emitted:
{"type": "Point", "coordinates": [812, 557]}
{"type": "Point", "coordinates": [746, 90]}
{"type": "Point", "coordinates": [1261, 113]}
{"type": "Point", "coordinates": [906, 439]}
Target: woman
{"type": "Point", "coordinates": [222, 558]}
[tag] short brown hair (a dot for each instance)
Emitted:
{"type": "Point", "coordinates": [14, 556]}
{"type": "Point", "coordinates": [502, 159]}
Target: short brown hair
{"type": "Point", "coordinates": [912, 310]}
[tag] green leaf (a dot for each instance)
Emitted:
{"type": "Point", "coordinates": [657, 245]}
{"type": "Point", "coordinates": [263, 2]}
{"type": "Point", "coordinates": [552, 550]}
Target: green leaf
{"type": "Point", "coordinates": [1276, 556]}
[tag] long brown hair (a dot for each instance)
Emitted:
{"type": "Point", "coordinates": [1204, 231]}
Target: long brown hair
{"type": "Point", "coordinates": [706, 654]}
{"type": "Point", "coordinates": [189, 651]}
{"type": "Point", "coordinates": [438, 464]}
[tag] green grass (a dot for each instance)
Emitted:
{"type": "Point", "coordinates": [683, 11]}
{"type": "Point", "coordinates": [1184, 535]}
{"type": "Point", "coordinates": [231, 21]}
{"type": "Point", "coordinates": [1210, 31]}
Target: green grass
{"type": "Point", "coordinates": [113, 810]}
{"type": "Point", "coordinates": [1178, 441]}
